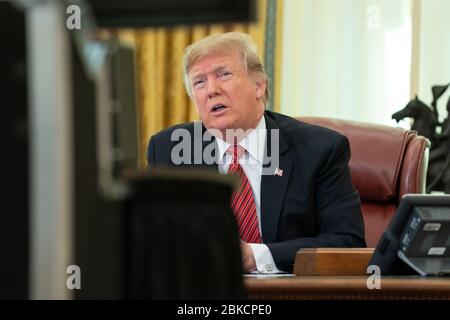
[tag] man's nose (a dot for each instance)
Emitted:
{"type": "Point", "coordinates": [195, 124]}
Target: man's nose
{"type": "Point", "coordinates": [213, 88]}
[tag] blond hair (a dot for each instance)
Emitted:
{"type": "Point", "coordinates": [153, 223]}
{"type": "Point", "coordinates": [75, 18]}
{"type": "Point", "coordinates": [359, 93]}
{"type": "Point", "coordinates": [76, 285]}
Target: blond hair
{"type": "Point", "coordinates": [220, 43]}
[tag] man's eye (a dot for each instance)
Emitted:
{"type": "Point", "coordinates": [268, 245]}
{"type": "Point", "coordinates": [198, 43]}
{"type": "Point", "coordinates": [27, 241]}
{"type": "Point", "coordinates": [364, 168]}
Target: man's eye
{"type": "Point", "coordinates": [199, 83]}
{"type": "Point", "coordinates": [225, 75]}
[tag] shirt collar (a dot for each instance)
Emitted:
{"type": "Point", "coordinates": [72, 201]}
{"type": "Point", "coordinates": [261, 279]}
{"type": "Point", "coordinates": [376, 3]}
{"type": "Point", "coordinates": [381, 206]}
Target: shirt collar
{"type": "Point", "coordinates": [254, 142]}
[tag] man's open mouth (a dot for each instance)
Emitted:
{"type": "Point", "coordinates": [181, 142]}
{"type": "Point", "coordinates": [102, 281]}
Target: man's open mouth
{"type": "Point", "coordinates": [218, 108]}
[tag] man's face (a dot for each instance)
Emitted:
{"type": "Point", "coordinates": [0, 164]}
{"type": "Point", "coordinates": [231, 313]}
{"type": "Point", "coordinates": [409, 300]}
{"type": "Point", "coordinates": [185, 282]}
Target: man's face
{"type": "Point", "coordinates": [226, 96]}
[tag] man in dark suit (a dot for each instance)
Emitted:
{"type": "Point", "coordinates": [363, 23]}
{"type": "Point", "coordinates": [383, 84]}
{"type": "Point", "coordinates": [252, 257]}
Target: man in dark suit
{"type": "Point", "coordinates": [296, 190]}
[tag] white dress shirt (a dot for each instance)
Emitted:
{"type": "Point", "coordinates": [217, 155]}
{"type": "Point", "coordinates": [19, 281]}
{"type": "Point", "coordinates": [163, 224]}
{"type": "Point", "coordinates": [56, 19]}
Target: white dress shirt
{"type": "Point", "coordinates": [251, 162]}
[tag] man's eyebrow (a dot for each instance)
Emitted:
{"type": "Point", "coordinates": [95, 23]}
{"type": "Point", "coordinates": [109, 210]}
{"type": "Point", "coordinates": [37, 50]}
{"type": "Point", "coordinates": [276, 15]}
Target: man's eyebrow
{"type": "Point", "coordinates": [198, 74]}
{"type": "Point", "coordinates": [215, 69]}
{"type": "Point", "coordinates": [219, 67]}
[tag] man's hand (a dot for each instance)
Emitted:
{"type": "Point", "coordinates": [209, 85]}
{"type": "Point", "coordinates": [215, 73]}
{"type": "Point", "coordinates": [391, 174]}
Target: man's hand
{"type": "Point", "coordinates": [248, 261]}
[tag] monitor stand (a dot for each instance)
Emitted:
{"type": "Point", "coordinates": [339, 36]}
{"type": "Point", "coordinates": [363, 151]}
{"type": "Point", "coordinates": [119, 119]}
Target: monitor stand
{"type": "Point", "coordinates": [427, 266]}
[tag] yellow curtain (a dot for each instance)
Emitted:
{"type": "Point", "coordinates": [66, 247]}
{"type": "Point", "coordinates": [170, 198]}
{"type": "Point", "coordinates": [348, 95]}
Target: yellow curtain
{"type": "Point", "coordinates": [159, 51]}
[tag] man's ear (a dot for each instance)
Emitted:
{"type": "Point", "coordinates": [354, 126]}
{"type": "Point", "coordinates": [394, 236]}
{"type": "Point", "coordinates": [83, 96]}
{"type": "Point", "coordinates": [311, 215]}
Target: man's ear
{"type": "Point", "coordinates": [261, 84]}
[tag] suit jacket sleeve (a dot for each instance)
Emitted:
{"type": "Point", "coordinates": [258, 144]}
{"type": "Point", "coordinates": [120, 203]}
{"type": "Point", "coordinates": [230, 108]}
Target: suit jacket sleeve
{"type": "Point", "coordinates": [158, 151]}
{"type": "Point", "coordinates": [337, 215]}
{"type": "Point", "coordinates": [151, 153]}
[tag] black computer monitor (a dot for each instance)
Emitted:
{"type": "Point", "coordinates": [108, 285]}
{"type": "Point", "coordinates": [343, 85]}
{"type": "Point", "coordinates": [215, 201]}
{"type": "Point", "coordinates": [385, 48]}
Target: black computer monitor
{"type": "Point", "coordinates": [417, 240]}
{"type": "Point", "coordinates": [15, 203]}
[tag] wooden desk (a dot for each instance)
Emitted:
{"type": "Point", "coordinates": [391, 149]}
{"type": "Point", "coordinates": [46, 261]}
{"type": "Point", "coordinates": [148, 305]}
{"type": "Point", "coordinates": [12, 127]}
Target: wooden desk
{"type": "Point", "coordinates": [347, 287]}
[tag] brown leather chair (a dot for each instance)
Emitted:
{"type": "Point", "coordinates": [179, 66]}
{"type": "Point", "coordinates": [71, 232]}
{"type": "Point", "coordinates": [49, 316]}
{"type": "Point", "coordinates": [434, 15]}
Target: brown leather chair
{"type": "Point", "coordinates": [385, 164]}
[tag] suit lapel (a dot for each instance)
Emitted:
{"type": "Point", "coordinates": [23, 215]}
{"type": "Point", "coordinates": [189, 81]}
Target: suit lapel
{"type": "Point", "coordinates": [273, 186]}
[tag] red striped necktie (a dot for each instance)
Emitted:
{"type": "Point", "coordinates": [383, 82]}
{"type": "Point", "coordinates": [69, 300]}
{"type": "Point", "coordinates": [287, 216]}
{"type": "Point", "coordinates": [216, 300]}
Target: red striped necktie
{"type": "Point", "coordinates": [243, 201]}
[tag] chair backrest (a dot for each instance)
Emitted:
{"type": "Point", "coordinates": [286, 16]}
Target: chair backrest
{"type": "Point", "coordinates": [385, 164]}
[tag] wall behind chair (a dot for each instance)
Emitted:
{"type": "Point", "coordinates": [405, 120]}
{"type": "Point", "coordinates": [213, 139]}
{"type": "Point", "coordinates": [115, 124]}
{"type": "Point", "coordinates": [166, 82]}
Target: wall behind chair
{"type": "Point", "coordinates": [356, 60]}
{"type": "Point", "coordinates": [431, 26]}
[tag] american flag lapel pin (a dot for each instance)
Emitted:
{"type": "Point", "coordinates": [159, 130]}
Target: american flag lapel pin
{"type": "Point", "coordinates": [278, 172]}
